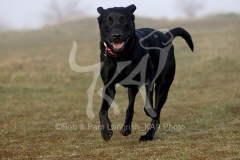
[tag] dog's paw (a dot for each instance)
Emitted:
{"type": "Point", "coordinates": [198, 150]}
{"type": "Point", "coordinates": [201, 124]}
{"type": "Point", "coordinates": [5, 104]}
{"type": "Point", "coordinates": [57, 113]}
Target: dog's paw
{"type": "Point", "coordinates": [106, 133]}
{"type": "Point", "coordinates": [106, 129]}
{"type": "Point", "coordinates": [145, 138]}
{"type": "Point", "coordinates": [126, 130]}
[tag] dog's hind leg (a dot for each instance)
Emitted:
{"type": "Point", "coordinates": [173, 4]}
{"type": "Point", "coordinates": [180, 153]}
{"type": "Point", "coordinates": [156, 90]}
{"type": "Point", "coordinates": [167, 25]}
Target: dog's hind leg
{"type": "Point", "coordinates": [149, 110]}
{"type": "Point", "coordinates": [163, 84]}
{"type": "Point", "coordinates": [126, 129]}
{"type": "Point", "coordinates": [161, 97]}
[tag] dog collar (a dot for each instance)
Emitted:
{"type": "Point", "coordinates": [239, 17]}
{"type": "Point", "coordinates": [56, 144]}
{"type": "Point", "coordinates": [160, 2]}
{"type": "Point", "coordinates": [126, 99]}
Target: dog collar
{"type": "Point", "coordinates": [108, 50]}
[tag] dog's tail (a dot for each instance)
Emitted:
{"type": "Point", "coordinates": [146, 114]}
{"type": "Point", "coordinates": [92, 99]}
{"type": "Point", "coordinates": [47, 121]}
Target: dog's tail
{"type": "Point", "coordinates": [182, 33]}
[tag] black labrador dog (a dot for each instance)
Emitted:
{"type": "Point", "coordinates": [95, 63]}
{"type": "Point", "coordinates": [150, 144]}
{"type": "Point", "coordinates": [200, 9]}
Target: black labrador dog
{"type": "Point", "coordinates": [135, 57]}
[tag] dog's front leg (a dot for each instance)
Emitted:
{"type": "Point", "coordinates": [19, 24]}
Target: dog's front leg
{"type": "Point", "coordinates": [127, 127]}
{"type": "Point", "coordinates": [108, 96]}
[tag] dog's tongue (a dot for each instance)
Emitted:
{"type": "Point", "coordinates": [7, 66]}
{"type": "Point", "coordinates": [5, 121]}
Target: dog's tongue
{"type": "Point", "coordinates": [118, 45]}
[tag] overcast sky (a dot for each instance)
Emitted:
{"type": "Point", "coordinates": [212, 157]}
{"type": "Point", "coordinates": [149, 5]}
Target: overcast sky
{"type": "Point", "coordinates": [28, 13]}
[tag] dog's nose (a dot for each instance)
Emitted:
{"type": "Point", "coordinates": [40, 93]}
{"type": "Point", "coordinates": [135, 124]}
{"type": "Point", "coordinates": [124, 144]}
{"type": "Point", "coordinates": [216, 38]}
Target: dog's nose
{"type": "Point", "coordinates": [116, 36]}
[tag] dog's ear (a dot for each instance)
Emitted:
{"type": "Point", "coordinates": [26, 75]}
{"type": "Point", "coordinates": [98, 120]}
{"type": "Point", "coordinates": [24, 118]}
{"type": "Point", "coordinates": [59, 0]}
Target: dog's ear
{"type": "Point", "coordinates": [99, 20]}
{"type": "Point", "coordinates": [100, 10]}
{"type": "Point", "coordinates": [132, 8]}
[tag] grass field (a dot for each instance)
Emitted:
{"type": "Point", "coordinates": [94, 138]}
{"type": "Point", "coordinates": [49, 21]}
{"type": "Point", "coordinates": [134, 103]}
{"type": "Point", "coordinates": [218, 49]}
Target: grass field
{"type": "Point", "coordinates": [39, 90]}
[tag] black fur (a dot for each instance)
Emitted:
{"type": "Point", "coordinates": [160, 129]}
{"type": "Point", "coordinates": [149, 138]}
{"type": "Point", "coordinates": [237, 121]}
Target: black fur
{"type": "Point", "coordinates": [117, 28]}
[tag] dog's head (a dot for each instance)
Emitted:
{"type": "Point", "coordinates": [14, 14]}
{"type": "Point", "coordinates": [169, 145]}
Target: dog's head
{"type": "Point", "coordinates": [117, 27]}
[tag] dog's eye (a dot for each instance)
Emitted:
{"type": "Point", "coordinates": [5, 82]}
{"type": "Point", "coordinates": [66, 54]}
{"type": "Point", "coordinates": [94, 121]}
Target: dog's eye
{"type": "Point", "coordinates": [124, 21]}
{"type": "Point", "coordinates": [108, 22]}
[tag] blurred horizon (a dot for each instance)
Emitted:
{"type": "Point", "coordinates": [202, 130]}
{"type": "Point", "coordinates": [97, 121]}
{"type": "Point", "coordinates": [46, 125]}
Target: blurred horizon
{"type": "Point", "coordinates": [27, 14]}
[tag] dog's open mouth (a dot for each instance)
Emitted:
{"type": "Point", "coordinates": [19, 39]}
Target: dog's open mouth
{"type": "Point", "coordinates": [118, 45]}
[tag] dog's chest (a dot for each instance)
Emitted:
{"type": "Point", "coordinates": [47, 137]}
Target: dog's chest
{"type": "Point", "coordinates": [129, 73]}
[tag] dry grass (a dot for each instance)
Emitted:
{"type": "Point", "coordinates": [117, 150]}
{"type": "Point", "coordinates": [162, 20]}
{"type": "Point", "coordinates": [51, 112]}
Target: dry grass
{"type": "Point", "coordinates": [38, 90]}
